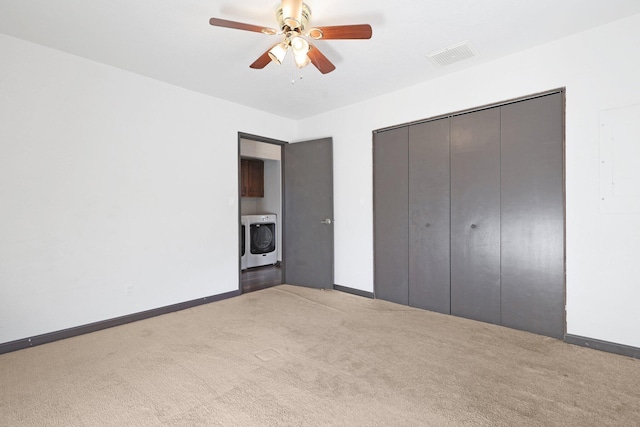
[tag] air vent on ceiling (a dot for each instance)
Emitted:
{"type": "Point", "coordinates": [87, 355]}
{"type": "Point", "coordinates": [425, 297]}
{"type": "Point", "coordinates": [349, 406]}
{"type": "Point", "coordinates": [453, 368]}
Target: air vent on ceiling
{"type": "Point", "coordinates": [452, 54]}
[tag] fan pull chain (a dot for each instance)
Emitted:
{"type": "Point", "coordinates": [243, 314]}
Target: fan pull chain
{"type": "Point", "coordinates": [293, 78]}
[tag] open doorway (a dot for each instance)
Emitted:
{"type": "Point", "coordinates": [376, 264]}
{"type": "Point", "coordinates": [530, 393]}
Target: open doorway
{"type": "Point", "coordinates": [260, 212]}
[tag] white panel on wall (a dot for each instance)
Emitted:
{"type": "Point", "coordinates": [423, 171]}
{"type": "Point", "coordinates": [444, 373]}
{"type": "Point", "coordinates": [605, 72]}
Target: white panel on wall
{"type": "Point", "coordinates": [620, 160]}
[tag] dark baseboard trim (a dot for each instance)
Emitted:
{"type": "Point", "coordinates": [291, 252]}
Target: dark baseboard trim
{"type": "Point", "coordinates": [109, 323]}
{"type": "Point", "coordinates": [609, 347]}
{"type": "Point", "coordinates": [353, 291]}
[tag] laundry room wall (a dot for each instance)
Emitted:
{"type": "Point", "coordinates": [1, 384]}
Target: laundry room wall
{"type": "Point", "coordinates": [602, 247]}
{"type": "Point", "coordinates": [118, 193]}
{"type": "Point", "coordinates": [272, 200]}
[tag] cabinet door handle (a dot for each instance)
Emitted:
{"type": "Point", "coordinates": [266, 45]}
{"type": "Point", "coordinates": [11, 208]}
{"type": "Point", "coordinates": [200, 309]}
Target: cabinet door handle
{"type": "Point", "coordinates": [326, 221]}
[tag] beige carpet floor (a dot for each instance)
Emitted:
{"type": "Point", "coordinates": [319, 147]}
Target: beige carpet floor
{"type": "Point", "coordinates": [297, 356]}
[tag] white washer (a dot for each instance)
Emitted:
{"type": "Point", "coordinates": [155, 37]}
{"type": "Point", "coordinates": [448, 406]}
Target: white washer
{"type": "Point", "coordinates": [262, 236]}
{"type": "Point", "coordinates": [244, 239]}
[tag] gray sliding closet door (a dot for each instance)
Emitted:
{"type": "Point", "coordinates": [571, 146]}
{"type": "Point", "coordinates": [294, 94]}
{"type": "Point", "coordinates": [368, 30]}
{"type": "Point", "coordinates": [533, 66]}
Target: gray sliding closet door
{"type": "Point", "coordinates": [429, 281]}
{"type": "Point", "coordinates": [475, 215]}
{"type": "Point", "coordinates": [533, 216]}
{"type": "Point", "coordinates": [390, 200]}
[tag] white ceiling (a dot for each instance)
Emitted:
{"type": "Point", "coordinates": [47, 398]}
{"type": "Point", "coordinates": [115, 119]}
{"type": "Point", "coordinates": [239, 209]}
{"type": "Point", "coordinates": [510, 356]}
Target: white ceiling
{"type": "Point", "coordinates": [172, 41]}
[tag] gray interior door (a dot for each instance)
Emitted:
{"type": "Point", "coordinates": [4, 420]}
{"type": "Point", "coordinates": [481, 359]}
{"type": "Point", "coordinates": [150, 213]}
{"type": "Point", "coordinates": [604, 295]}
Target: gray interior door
{"type": "Point", "coordinates": [308, 213]}
{"type": "Point", "coordinates": [390, 215]}
{"type": "Point", "coordinates": [429, 281]}
{"type": "Point", "coordinates": [475, 215]}
{"type": "Point", "coordinates": [533, 216]}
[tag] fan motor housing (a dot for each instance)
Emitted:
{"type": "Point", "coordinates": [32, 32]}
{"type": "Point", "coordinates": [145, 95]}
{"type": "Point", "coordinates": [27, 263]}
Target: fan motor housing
{"type": "Point", "coordinates": [292, 23]}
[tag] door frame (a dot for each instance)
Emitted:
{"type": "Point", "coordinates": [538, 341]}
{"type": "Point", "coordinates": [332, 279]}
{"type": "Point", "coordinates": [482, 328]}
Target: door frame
{"type": "Point", "coordinates": [563, 92]}
{"type": "Point", "coordinates": [266, 140]}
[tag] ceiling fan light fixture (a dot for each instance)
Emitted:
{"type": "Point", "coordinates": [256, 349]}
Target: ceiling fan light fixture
{"type": "Point", "coordinates": [300, 48]}
{"type": "Point", "coordinates": [293, 16]}
{"type": "Point", "coordinates": [302, 60]}
{"type": "Point", "coordinates": [278, 52]}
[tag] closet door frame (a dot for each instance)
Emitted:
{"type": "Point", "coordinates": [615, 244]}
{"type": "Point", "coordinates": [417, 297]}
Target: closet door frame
{"type": "Point", "coordinates": [562, 92]}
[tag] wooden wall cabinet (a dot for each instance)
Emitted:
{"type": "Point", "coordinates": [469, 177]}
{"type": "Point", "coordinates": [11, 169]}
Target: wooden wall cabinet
{"type": "Point", "coordinates": [252, 178]}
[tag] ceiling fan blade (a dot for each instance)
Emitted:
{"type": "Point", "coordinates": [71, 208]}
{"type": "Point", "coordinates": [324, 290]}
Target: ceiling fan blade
{"type": "Point", "coordinates": [292, 12]}
{"type": "Point", "coordinates": [359, 31]}
{"type": "Point", "coordinates": [321, 62]}
{"type": "Point", "coordinates": [241, 26]}
{"type": "Point", "coordinates": [262, 61]}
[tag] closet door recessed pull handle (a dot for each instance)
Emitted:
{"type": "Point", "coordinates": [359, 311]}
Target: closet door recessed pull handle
{"type": "Point", "coordinates": [473, 226]}
{"type": "Point", "coordinates": [427, 225]}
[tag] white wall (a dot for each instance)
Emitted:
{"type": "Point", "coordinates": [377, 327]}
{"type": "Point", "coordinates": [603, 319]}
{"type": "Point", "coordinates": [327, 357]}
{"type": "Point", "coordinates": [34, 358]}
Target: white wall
{"type": "Point", "coordinates": [110, 180]}
{"type": "Point", "coordinates": [600, 70]}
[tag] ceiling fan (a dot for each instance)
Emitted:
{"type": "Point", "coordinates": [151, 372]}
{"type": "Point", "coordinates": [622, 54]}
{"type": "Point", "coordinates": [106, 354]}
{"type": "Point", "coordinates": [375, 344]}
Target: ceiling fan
{"type": "Point", "coordinates": [293, 17]}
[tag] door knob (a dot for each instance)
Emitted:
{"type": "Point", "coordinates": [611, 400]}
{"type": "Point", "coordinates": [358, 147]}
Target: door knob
{"type": "Point", "coordinates": [326, 221]}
